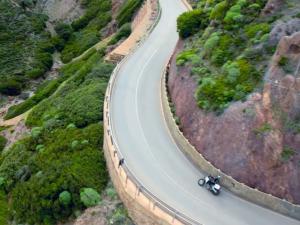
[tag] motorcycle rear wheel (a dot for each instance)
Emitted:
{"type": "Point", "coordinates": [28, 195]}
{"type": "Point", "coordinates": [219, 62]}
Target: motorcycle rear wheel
{"type": "Point", "coordinates": [201, 182]}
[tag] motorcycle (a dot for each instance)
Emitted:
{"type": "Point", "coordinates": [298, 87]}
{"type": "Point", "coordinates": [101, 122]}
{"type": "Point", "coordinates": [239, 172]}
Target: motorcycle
{"type": "Point", "coordinates": [211, 183]}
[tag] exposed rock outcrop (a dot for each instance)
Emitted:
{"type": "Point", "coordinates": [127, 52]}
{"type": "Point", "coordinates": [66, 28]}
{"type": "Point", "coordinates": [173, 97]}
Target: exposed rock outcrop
{"type": "Point", "coordinates": [60, 10]}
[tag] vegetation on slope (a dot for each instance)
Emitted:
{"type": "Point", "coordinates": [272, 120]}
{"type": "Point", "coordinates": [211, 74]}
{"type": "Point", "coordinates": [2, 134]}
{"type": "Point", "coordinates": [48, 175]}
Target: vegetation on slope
{"type": "Point", "coordinates": [85, 31]}
{"type": "Point", "coordinates": [227, 54]}
{"type": "Point", "coordinates": [59, 169]}
{"type": "Point", "coordinates": [126, 13]}
{"type": "Point", "coordinates": [25, 49]}
{"type": "Point", "coordinates": [63, 152]}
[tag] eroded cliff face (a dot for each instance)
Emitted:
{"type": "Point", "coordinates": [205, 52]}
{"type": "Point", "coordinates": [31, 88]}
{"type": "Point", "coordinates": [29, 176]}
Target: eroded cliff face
{"type": "Point", "coordinates": [256, 141]}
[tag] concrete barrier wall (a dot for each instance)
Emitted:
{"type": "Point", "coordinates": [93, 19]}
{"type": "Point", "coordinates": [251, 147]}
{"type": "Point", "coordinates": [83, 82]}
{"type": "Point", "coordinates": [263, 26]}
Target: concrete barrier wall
{"type": "Point", "coordinates": [240, 189]}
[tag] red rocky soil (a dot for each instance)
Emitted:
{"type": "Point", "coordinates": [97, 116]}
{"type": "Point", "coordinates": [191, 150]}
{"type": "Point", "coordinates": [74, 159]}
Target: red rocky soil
{"type": "Point", "coordinates": [247, 140]}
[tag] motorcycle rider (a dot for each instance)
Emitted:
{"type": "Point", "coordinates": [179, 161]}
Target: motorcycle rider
{"type": "Point", "coordinates": [213, 180]}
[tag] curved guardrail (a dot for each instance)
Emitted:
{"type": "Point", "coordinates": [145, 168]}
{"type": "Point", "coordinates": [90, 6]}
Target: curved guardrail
{"type": "Point", "coordinates": [175, 214]}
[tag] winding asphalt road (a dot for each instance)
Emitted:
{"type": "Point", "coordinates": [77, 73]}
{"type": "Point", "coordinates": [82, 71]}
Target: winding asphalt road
{"type": "Point", "coordinates": [149, 150]}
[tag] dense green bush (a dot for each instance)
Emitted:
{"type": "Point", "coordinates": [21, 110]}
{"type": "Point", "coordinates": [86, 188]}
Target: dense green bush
{"type": "Point", "coordinates": [190, 22]}
{"type": "Point", "coordinates": [65, 198]}
{"type": "Point", "coordinates": [127, 11]}
{"type": "Point", "coordinates": [185, 56]}
{"type": "Point", "coordinates": [63, 30]}
{"type": "Point", "coordinates": [89, 197]}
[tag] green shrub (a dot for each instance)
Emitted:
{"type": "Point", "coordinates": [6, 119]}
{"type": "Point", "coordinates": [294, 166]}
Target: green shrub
{"type": "Point", "coordinates": [219, 11]}
{"type": "Point", "coordinates": [44, 58]}
{"type": "Point", "coordinates": [260, 29]}
{"type": "Point", "coordinates": [234, 14]}
{"type": "Point", "coordinates": [2, 182]}
{"type": "Point", "coordinates": [46, 46]}
{"type": "Point", "coordinates": [219, 57]}
{"type": "Point", "coordinates": [263, 129]}
{"type": "Point", "coordinates": [63, 30]}
{"type": "Point", "coordinates": [283, 61]}
{"type": "Point", "coordinates": [127, 11]}
{"type": "Point", "coordinates": [120, 216]}
{"type": "Point", "coordinates": [185, 56]}
{"type": "Point", "coordinates": [3, 142]}
{"type": "Point", "coordinates": [40, 148]}
{"type": "Point", "coordinates": [10, 87]}
{"type": "Point", "coordinates": [36, 132]}
{"type": "Point", "coordinates": [111, 192]}
{"type": "Point", "coordinates": [65, 198]}
{"type": "Point", "coordinates": [211, 43]}
{"type": "Point", "coordinates": [190, 22]}
{"type": "Point", "coordinates": [36, 73]}
{"type": "Point", "coordinates": [287, 153]}
{"type": "Point", "coordinates": [58, 43]}
{"type": "Point", "coordinates": [123, 32]}
{"type": "Point", "coordinates": [4, 212]}
{"type": "Point", "coordinates": [89, 197]}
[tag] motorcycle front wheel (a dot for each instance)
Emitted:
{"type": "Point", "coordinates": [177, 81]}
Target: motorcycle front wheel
{"type": "Point", "coordinates": [201, 182]}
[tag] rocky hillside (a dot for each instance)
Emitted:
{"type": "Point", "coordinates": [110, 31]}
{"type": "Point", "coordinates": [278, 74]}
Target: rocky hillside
{"type": "Point", "coordinates": [235, 86]}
